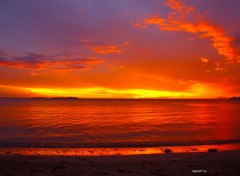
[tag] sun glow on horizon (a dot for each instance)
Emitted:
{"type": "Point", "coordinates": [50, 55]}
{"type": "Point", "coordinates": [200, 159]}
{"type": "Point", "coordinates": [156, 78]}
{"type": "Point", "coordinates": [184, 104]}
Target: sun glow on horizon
{"type": "Point", "coordinates": [196, 91]}
{"type": "Point", "coordinates": [99, 92]}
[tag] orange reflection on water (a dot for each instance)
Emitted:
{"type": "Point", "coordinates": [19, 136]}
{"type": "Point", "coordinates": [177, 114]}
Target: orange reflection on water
{"type": "Point", "coordinates": [119, 122]}
{"type": "Point", "coordinates": [114, 151]}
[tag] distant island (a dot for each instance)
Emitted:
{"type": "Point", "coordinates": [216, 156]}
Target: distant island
{"type": "Point", "coordinates": [81, 98]}
{"type": "Point", "coordinates": [235, 98]}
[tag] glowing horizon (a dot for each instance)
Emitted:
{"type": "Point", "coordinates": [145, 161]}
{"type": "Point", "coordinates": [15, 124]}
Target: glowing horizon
{"type": "Point", "coordinates": [196, 91]}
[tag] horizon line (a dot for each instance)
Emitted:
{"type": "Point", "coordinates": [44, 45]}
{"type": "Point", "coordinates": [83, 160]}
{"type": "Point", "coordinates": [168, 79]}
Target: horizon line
{"type": "Point", "coordinates": [118, 98]}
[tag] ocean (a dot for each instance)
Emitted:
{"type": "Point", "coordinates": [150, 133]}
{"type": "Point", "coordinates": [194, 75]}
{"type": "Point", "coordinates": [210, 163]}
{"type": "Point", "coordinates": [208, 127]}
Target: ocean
{"type": "Point", "coordinates": [88, 123]}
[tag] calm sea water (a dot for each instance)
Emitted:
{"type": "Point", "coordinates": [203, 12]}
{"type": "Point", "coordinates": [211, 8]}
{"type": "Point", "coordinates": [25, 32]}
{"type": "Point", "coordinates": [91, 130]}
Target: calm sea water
{"type": "Point", "coordinates": [118, 122]}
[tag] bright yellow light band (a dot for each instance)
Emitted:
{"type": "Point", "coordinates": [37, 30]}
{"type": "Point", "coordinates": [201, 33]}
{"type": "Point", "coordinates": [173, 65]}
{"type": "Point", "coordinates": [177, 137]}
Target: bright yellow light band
{"type": "Point", "coordinates": [98, 92]}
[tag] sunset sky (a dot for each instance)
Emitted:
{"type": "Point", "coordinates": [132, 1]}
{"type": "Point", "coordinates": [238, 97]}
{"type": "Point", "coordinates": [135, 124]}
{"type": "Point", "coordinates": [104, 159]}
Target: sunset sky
{"type": "Point", "coordinates": [120, 49]}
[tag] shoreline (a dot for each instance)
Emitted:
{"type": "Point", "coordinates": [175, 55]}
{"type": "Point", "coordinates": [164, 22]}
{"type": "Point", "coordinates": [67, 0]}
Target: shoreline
{"type": "Point", "coordinates": [114, 144]}
{"type": "Point", "coordinates": [67, 151]}
{"type": "Point", "coordinates": [223, 163]}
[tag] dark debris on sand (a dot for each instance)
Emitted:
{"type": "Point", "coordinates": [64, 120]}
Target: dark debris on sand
{"type": "Point", "coordinates": [167, 151]}
{"type": "Point", "coordinates": [212, 150]}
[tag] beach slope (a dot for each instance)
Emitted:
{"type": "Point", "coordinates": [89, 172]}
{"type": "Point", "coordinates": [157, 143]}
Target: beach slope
{"type": "Point", "coordinates": [225, 163]}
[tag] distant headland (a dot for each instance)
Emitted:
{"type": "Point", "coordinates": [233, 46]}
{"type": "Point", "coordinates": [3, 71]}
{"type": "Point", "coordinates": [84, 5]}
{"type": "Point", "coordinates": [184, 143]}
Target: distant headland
{"type": "Point", "coordinates": [235, 98]}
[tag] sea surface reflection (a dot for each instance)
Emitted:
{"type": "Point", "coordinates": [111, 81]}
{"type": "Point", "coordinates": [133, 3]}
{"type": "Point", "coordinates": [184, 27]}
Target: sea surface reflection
{"type": "Point", "coordinates": [96, 123]}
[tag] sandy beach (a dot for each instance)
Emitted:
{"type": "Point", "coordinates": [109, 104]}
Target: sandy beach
{"type": "Point", "coordinates": [225, 163]}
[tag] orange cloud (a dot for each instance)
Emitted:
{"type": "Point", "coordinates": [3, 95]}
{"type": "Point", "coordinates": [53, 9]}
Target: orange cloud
{"type": "Point", "coordinates": [140, 25]}
{"type": "Point", "coordinates": [184, 18]}
{"type": "Point", "coordinates": [34, 61]}
{"type": "Point", "coordinates": [106, 49]}
{"type": "Point", "coordinates": [205, 60]}
{"type": "Point", "coordinates": [102, 48]}
{"type": "Point", "coordinates": [179, 6]}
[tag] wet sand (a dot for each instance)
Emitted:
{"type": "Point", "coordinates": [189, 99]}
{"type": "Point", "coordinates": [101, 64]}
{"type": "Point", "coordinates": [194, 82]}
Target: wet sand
{"type": "Point", "coordinates": [224, 163]}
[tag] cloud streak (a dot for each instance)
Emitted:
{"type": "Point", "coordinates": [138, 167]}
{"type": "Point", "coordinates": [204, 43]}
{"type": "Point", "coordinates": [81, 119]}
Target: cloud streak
{"type": "Point", "coordinates": [63, 62]}
{"type": "Point", "coordinates": [102, 48]}
{"type": "Point", "coordinates": [187, 19]}
{"type": "Point", "coordinates": [107, 49]}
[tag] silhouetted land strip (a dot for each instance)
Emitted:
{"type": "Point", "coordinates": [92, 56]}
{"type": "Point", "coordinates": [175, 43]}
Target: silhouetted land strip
{"type": "Point", "coordinates": [235, 98]}
{"type": "Point", "coordinates": [80, 98]}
